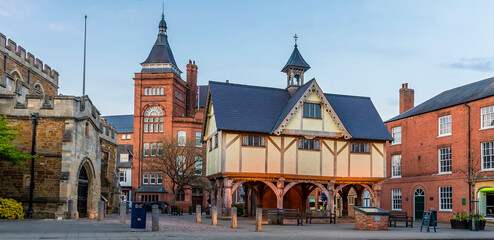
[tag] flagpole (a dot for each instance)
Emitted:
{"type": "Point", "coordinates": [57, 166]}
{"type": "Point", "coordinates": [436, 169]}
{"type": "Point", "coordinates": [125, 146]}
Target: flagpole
{"type": "Point", "coordinates": [84, 66]}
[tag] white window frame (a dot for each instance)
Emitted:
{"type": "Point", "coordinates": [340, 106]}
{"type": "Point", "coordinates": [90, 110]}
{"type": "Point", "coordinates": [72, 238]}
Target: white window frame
{"type": "Point", "coordinates": [145, 178]}
{"type": "Point", "coordinates": [146, 149]}
{"type": "Point", "coordinates": [442, 159]}
{"type": "Point", "coordinates": [445, 125]}
{"type": "Point", "coordinates": [124, 137]}
{"type": "Point", "coordinates": [124, 157]}
{"type": "Point", "coordinates": [122, 174]}
{"type": "Point", "coordinates": [487, 117]}
{"type": "Point", "coordinates": [396, 134]}
{"type": "Point", "coordinates": [152, 178]}
{"type": "Point", "coordinates": [159, 179]}
{"type": "Point", "coordinates": [487, 160]}
{"type": "Point", "coordinates": [181, 138]}
{"type": "Point", "coordinates": [198, 139]}
{"type": "Point", "coordinates": [181, 164]}
{"type": "Point", "coordinates": [128, 137]}
{"type": "Point", "coordinates": [396, 199]}
{"type": "Point", "coordinates": [396, 169]}
{"type": "Point", "coordinates": [445, 200]}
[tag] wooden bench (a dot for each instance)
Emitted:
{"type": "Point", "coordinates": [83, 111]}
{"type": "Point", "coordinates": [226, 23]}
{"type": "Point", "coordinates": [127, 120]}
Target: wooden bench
{"type": "Point", "coordinates": [400, 217]}
{"type": "Point", "coordinates": [176, 211]}
{"type": "Point", "coordinates": [324, 214]}
{"type": "Point", "coordinates": [280, 214]}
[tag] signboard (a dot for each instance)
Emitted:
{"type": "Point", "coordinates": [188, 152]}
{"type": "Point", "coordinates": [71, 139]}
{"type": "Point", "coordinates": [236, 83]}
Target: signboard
{"type": "Point", "coordinates": [430, 217]}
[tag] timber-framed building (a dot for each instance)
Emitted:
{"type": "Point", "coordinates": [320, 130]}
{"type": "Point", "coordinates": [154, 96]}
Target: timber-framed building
{"type": "Point", "coordinates": [279, 145]}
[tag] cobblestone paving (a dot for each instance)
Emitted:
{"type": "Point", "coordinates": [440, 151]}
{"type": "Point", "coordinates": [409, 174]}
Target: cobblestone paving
{"type": "Point", "coordinates": [184, 227]}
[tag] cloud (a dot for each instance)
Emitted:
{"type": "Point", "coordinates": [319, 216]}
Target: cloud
{"type": "Point", "coordinates": [61, 27]}
{"type": "Point", "coordinates": [475, 64]}
{"type": "Point", "coordinates": [15, 8]}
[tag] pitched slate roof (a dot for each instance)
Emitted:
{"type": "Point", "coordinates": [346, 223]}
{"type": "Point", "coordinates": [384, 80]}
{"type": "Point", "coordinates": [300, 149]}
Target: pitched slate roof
{"type": "Point", "coordinates": [296, 60]}
{"type": "Point", "coordinates": [203, 96]}
{"type": "Point", "coordinates": [259, 109]}
{"type": "Point", "coordinates": [151, 189]}
{"type": "Point", "coordinates": [460, 95]}
{"type": "Point", "coordinates": [359, 116]}
{"type": "Point", "coordinates": [122, 123]}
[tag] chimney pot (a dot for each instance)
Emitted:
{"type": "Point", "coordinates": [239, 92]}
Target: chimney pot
{"type": "Point", "coordinates": [227, 81]}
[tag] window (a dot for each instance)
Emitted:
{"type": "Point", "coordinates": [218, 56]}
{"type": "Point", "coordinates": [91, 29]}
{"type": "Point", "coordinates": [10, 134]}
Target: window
{"type": "Point", "coordinates": [396, 199]}
{"type": "Point", "coordinates": [159, 179]}
{"type": "Point", "coordinates": [181, 138]}
{"type": "Point", "coordinates": [128, 136]}
{"type": "Point", "coordinates": [181, 164]}
{"type": "Point", "coordinates": [309, 144]}
{"type": "Point", "coordinates": [360, 147]}
{"type": "Point", "coordinates": [312, 110]}
{"type": "Point", "coordinates": [216, 140]}
{"type": "Point", "coordinates": [180, 196]}
{"type": "Point", "coordinates": [445, 160]}
{"type": "Point", "coordinates": [367, 199]}
{"type": "Point", "coordinates": [210, 141]}
{"type": "Point", "coordinates": [153, 149]}
{"type": "Point", "coordinates": [124, 157]}
{"type": "Point", "coordinates": [251, 140]}
{"type": "Point", "coordinates": [445, 125]}
{"type": "Point", "coordinates": [487, 150]}
{"type": "Point", "coordinates": [123, 176]}
{"type": "Point", "coordinates": [487, 116]}
{"type": "Point", "coordinates": [396, 166]}
{"type": "Point", "coordinates": [153, 120]}
{"type": "Point", "coordinates": [198, 139]}
{"type": "Point", "coordinates": [152, 179]}
{"type": "Point", "coordinates": [445, 198]}
{"type": "Point", "coordinates": [145, 179]}
{"type": "Point", "coordinates": [396, 133]}
{"type": "Point", "coordinates": [124, 136]}
{"type": "Point", "coordinates": [198, 165]}
{"type": "Point", "coordinates": [146, 150]}
{"type": "Point", "coordinates": [160, 149]}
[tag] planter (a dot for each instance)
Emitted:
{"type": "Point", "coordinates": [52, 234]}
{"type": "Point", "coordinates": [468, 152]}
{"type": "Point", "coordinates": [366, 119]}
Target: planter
{"type": "Point", "coordinates": [458, 224]}
{"type": "Point", "coordinates": [482, 224]}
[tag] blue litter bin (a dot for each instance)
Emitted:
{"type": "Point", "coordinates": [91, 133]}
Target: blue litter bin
{"type": "Point", "coordinates": [138, 220]}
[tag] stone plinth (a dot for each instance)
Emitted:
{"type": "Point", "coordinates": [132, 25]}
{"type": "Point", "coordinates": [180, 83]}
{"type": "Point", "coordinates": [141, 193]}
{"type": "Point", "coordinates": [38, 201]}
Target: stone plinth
{"type": "Point", "coordinates": [371, 218]}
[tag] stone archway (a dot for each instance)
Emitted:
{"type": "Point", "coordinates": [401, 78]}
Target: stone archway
{"type": "Point", "coordinates": [85, 190]}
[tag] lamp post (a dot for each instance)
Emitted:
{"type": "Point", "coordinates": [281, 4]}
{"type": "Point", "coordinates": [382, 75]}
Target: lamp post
{"type": "Point", "coordinates": [33, 152]}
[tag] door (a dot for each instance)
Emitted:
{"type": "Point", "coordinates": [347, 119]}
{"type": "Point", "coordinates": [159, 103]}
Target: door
{"type": "Point", "coordinates": [82, 190]}
{"type": "Point", "coordinates": [419, 204]}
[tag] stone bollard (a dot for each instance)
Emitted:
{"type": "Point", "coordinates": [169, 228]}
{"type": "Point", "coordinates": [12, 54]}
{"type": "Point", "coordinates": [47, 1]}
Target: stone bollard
{"type": "Point", "coordinates": [198, 214]}
{"type": "Point", "coordinates": [156, 219]}
{"type": "Point", "coordinates": [234, 217]}
{"type": "Point", "coordinates": [123, 212]}
{"type": "Point", "coordinates": [71, 210]}
{"type": "Point", "coordinates": [214, 216]}
{"type": "Point", "coordinates": [258, 220]}
{"type": "Point", "coordinates": [101, 211]}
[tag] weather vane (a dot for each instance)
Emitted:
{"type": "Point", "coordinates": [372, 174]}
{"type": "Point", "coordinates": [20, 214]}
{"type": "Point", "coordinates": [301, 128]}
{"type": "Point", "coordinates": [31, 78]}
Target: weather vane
{"type": "Point", "coordinates": [295, 37]}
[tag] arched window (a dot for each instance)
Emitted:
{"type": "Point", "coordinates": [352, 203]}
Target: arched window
{"type": "Point", "coordinates": [38, 89]}
{"type": "Point", "coordinates": [367, 198]}
{"type": "Point", "coordinates": [419, 192]}
{"type": "Point", "coordinates": [153, 120]}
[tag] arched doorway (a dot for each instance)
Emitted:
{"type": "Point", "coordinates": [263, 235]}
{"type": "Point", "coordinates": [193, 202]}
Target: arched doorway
{"type": "Point", "coordinates": [82, 192]}
{"type": "Point", "coordinates": [419, 203]}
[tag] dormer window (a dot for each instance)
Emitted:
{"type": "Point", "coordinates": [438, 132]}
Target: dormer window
{"type": "Point", "coordinates": [312, 110]}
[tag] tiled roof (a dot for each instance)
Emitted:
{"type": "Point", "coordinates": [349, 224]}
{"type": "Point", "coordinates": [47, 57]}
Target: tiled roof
{"type": "Point", "coordinates": [126, 149]}
{"type": "Point", "coordinates": [456, 96]}
{"type": "Point", "coordinates": [258, 109]}
{"type": "Point", "coordinates": [151, 189]}
{"type": "Point", "coordinates": [122, 123]}
{"type": "Point", "coordinates": [296, 60]}
{"type": "Point", "coordinates": [161, 51]}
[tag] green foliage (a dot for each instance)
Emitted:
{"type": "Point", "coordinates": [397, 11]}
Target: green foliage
{"type": "Point", "coordinates": [460, 216]}
{"type": "Point", "coordinates": [10, 209]}
{"type": "Point", "coordinates": [239, 206]}
{"type": "Point", "coordinates": [8, 151]}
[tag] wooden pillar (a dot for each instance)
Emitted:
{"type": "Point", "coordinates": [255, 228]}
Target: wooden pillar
{"type": "Point", "coordinates": [377, 194]}
{"type": "Point", "coordinates": [331, 196]}
{"type": "Point", "coordinates": [280, 185]}
{"type": "Point", "coordinates": [248, 203]}
{"type": "Point", "coordinates": [228, 194]}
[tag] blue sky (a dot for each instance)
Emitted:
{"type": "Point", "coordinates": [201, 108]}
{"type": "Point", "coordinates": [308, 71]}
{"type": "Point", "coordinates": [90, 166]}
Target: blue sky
{"type": "Point", "coordinates": [366, 48]}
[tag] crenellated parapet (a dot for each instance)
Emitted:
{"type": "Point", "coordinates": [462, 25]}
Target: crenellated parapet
{"type": "Point", "coordinates": [19, 54]}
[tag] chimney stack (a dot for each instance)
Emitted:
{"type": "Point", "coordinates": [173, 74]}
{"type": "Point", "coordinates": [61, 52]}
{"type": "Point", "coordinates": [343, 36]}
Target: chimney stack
{"type": "Point", "coordinates": [406, 98]}
{"type": "Point", "coordinates": [192, 84]}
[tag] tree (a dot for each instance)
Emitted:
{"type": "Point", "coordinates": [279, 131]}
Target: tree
{"type": "Point", "coordinates": [472, 172]}
{"type": "Point", "coordinates": [8, 151]}
{"type": "Point", "coordinates": [179, 160]}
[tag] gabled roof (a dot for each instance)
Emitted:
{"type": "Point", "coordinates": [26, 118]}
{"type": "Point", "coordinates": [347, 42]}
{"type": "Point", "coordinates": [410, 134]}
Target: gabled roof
{"type": "Point", "coordinates": [359, 116]}
{"type": "Point", "coordinates": [122, 123]}
{"type": "Point", "coordinates": [296, 60]}
{"type": "Point", "coordinates": [259, 109]}
{"type": "Point", "coordinates": [456, 96]}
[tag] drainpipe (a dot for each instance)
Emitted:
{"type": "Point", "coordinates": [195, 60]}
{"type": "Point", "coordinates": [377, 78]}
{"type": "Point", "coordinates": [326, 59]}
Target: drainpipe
{"type": "Point", "coordinates": [33, 152]}
{"type": "Point", "coordinates": [469, 166]}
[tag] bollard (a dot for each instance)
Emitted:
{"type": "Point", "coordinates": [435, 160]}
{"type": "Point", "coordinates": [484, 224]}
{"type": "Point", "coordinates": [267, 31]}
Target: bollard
{"type": "Point", "coordinates": [234, 217]}
{"type": "Point", "coordinates": [123, 212]}
{"type": "Point", "coordinates": [258, 220]}
{"type": "Point", "coordinates": [198, 214]}
{"type": "Point", "coordinates": [71, 211]}
{"type": "Point", "coordinates": [156, 219]}
{"type": "Point", "coordinates": [101, 211]}
{"type": "Point", "coordinates": [214, 216]}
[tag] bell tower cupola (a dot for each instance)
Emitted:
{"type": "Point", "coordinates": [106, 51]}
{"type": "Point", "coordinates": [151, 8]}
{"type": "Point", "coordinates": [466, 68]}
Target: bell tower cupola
{"type": "Point", "coordinates": [295, 68]}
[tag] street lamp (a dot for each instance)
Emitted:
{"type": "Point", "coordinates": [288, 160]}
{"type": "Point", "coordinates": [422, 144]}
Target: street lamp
{"type": "Point", "coordinates": [33, 152]}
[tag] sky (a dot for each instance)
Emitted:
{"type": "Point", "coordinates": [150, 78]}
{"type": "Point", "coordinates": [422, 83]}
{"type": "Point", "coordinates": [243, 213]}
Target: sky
{"type": "Point", "coordinates": [363, 48]}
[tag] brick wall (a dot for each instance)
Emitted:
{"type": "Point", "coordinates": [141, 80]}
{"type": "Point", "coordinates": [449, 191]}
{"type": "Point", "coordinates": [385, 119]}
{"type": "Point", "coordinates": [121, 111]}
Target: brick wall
{"type": "Point", "coordinates": [370, 222]}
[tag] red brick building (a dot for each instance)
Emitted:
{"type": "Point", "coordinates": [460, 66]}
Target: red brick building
{"type": "Point", "coordinates": [164, 106]}
{"type": "Point", "coordinates": [433, 145]}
